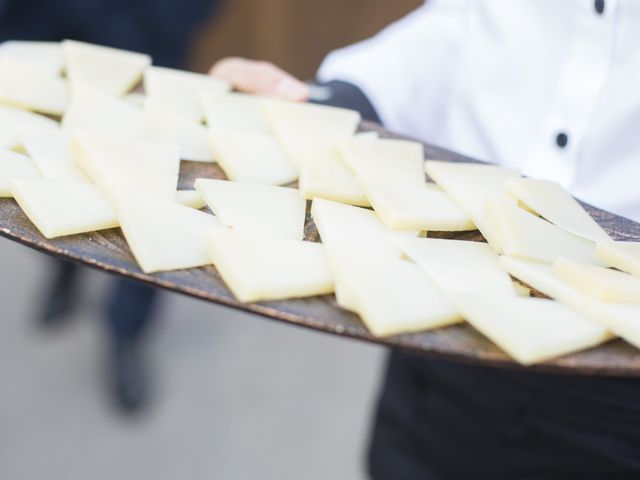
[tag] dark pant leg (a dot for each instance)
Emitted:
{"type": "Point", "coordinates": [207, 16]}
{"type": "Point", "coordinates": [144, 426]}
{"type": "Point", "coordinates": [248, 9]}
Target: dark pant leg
{"type": "Point", "coordinates": [439, 420]}
{"type": "Point", "coordinates": [130, 308]}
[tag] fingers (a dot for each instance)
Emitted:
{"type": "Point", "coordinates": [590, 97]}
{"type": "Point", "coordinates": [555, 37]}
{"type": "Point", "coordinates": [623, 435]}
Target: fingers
{"type": "Point", "coordinates": [258, 77]}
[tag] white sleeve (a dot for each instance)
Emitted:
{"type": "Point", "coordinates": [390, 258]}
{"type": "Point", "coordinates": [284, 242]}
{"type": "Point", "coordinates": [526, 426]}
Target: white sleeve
{"type": "Point", "coordinates": [406, 70]}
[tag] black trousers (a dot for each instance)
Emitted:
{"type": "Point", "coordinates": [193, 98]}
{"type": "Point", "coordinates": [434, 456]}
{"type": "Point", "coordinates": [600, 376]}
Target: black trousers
{"type": "Point", "coordinates": [445, 421]}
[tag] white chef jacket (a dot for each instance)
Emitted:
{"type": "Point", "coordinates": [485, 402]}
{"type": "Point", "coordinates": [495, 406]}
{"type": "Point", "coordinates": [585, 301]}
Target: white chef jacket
{"type": "Point", "coordinates": [508, 81]}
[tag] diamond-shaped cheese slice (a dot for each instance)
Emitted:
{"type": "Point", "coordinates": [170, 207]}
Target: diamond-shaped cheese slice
{"type": "Point", "coordinates": [400, 161]}
{"type": "Point", "coordinates": [598, 282]}
{"type": "Point", "coordinates": [172, 127]}
{"type": "Point", "coordinates": [301, 127]}
{"type": "Point", "coordinates": [259, 209]}
{"type": "Point", "coordinates": [26, 86]}
{"type": "Point", "coordinates": [391, 295]}
{"type": "Point", "coordinates": [470, 185]}
{"type": "Point", "coordinates": [15, 166]}
{"type": "Point", "coordinates": [115, 162]}
{"type": "Point", "coordinates": [109, 70]}
{"type": "Point", "coordinates": [325, 175]}
{"type": "Point", "coordinates": [50, 150]}
{"type": "Point", "coordinates": [260, 267]}
{"type": "Point", "coordinates": [624, 256]}
{"type": "Point", "coordinates": [180, 90]}
{"type": "Point", "coordinates": [252, 158]}
{"type": "Point", "coordinates": [524, 235]}
{"type": "Point", "coordinates": [14, 120]}
{"type": "Point", "coordinates": [530, 330]}
{"type": "Point", "coordinates": [554, 203]}
{"type": "Point", "coordinates": [237, 112]}
{"type": "Point", "coordinates": [59, 208]}
{"type": "Point", "coordinates": [46, 56]}
{"type": "Point", "coordinates": [414, 207]}
{"type": "Point", "coordinates": [163, 235]}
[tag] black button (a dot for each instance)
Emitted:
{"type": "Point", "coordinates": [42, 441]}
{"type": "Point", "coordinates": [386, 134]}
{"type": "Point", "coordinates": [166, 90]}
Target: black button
{"type": "Point", "coordinates": [599, 6]}
{"type": "Point", "coordinates": [562, 139]}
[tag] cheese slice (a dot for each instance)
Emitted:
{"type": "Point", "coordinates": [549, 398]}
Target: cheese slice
{"type": "Point", "coordinates": [598, 282]}
{"type": "Point", "coordinates": [163, 235]}
{"type": "Point", "coordinates": [526, 236]}
{"type": "Point", "coordinates": [26, 86]}
{"type": "Point", "coordinates": [50, 150]}
{"type": "Point", "coordinates": [470, 185]}
{"type": "Point", "coordinates": [252, 157]}
{"type": "Point", "coordinates": [340, 224]}
{"type": "Point", "coordinates": [391, 295]}
{"type": "Point", "coordinates": [521, 290]}
{"type": "Point", "coordinates": [554, 203]}
{"type": "Point", "coordinates": [262, 268]}
{"type": "Point", "coordinates": [237, 112]}
{"type": "Point", "coordinates": [325, 175]}
{"type": "Point", "coordinates": [399, 161]}
{"type": "Point", "coordinates": [621, 319]}
{"type": "Point", "coordinates": [301, 127]}
{"type": "Point", "coordinates": [624, 256]}
{"type": "Point", "coordinates": [91, 109]}
{"type": "Point", "coordinates": [13, 120]}
{"type": "Point", "coordinates": [530, 330]}
{"type": "Point", "coordinates": [14, 166]}
{"type": "Point", "coordinates": [370, 134]}
{"type": "Point", "coordinates": [114, 162]}
{"type": "Point", "coordinates": [180, 90]}
{"type": "Point", "coordinates": [59, 208]}
{"type": "Point", "coordinates": [46, 56]}
{"type": "Point", "coordinates": [172, 127]}
{"type": "Point", "coordinates": [458, 265]}
{"type": "Point", "coordinates": [190, 198]}
{"type": "Point", "coordinates": [405, 206]}
{"type": "Point", "coordinates": [110, 70]}
{"type": "Point", "coordinates": [258, 209]}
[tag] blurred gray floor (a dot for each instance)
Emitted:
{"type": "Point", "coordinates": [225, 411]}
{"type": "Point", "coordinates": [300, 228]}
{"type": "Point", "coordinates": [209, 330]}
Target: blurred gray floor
{"type": "Point", "coordinates": [237, 397]}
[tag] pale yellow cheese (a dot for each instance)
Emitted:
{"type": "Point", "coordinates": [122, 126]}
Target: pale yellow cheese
{"type": "Point", "coordinates": [624, 256]}
{"type": "Point", "coordinates": [15, 166]}
{"type": "Point", "coordinates": [302, 128]}
{"type": "Point", "coordinates": [391, 295]}
{"type": "Point", "coordinates": [400, 161]}
{"type": "Point", "coordinates": [190, 198]}
{"type": "Point", "coordinates": [93, 110]}
{"type": "Point", "coordinates": [59, 208]}
{"type": "Point", "coordinates": [237, 112]}
{"type": "Point", "coordinates": [526, 236]}
{"type": "Point", "coordinates": [621, 319]}
{"type": "Point", "coordinates": [413, 207]}
{"type": "Point", "coordinates": [46, 56]}
{"type": "Point", "coordinates": [14, 120]}
{"type": "Point", "coordinates": [325, 175]}
{"type": "Point", "coordinates": [50, 150]}
{"type": "Point", "coordinates": [261, 268]}
{"type": "Point", "coordinates": [258, 209]}
{"type": "Point", "coordinates": [458, 265]}
{"type": "Point", "coordinates": [252, 157]}
{"type": "Point", "coordinates": [554, 203]}
{"type": "Point", "coordinates": [137, 99]}
{"type": "Point", "coordinates": [109, 70]}
{"type": "Point", "coordinates": [530, 330]}
{"type": "Point", "coordinates": [470, 185]}
{"type": "Point", "coordinates": [26, 86]}
{"type": "Point", "coordinates": [598, 282]}
{"type": "Point", "coordinates": [180, 90]}
{"type": "Point", "coordinates": [370, 134]}
{"type": "Point", "coordinates": [171, 127]}
{"type": "Point", "coordinates": [163, 235]}
{"type": "Point", "coordinates": [521, 290]}
{"type": "Point", "coordinates": [115, 162]}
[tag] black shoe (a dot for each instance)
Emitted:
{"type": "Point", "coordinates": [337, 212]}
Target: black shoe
{"type": "Point", "coordinates": [128, 378]}
{"type": "Point", "coordinates": [61, 298]}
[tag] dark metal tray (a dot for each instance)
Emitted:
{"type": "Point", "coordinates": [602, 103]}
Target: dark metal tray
{"type": "Point", "coordinates": [107, 251]}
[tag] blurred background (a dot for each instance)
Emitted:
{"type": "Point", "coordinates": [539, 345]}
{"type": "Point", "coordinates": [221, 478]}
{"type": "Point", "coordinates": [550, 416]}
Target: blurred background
{"type": "Point", "coordinates": [234, 396]}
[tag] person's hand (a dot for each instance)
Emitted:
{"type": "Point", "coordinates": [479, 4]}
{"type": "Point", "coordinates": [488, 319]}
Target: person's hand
{"type": "Point", "coordinates": [258, 77]}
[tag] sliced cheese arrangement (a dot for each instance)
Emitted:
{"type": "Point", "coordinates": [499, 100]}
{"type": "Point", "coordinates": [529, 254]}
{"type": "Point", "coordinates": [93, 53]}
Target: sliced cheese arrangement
{"type": "Point", "coordinates": [107, 155]}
